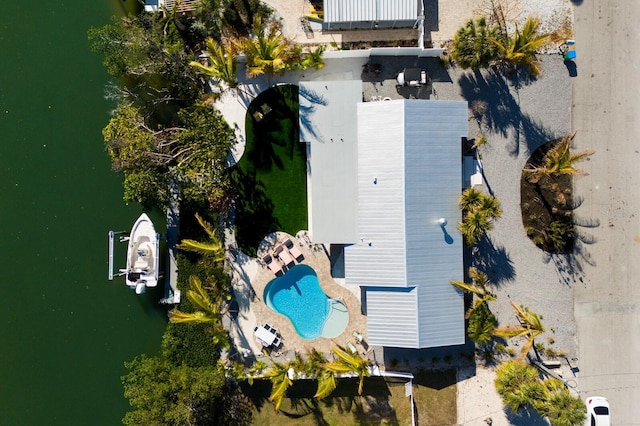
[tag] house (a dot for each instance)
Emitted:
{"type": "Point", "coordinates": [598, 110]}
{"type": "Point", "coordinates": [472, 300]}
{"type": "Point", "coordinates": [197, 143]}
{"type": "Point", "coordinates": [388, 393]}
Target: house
{"type": "Point", "coordinates": [385, 178]}
{"type": "Point", "coordinates": [369, 14]}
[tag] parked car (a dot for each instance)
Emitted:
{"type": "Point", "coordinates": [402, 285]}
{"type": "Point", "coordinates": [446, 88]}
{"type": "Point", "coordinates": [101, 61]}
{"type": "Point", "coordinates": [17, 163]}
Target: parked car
{"type": "Point", "coordinates": [598, 411]}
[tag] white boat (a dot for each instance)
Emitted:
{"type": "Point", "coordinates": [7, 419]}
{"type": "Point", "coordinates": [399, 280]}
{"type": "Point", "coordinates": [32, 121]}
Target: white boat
{"type": "Point", "coordinates": [142, 255]}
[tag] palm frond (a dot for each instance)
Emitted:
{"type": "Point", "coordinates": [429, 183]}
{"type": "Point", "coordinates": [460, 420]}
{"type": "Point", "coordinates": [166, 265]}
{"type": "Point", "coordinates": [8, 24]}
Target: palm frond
{"type": "Point", "coordinates": [326, 384]}
{"type": "Point", "coordinates": [509, 331]}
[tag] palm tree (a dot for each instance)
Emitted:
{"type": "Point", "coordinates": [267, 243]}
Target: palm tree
{"type": "Point", "coordinates": [519, 385]}
{"type": "Point", "coordinates": [206, 311]}
{"type": "Point", "coordinates": [470, 199]}
{"type": "Point", "coordinates": [559, 161]}
{"type": "Point", "coordinates": [520, 48]}
{"type": "Point", "coordinates": [560, 406]}
{"type": "Point", "coordinates": [473, 226]}
{"type": "Point", "coordinates": [349, 362]}
{"type": "Point", "coordinates": [279, 376]}
{"type": "Point", "coordinates": [213, 247]}
{"type": "Point", "coordinates": [480, 210]}
{"type": "Point", "coordinates": [471, 45]}
{"type": "Point", "coordinates": [326, 383]}
{"type": "Point", "coordinates": [222, 63]}
{"type": "Point", "coordinates": [313, 58]}
{"type": "Point", "coordinates": [267, 52]}
{"type": "Point", "coordinates": [529, 327]}
{"type": "Point", "coordinates": [482, 322]}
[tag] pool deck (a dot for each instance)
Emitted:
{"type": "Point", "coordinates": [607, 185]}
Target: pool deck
{"type": "Point", "coordinates": [249, 279]}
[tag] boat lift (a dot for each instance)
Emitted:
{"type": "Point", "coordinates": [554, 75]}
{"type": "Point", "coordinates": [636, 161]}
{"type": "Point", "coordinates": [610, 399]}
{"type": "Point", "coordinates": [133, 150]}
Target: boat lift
{"type": "Point", "coordinates": [123, 271]}
{"type": "Point", "coordinates": [112, 235]}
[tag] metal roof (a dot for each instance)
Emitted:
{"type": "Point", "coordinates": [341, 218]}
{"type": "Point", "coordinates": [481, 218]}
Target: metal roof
{"type": "Point", "coordinates": [370, 10]}
{"type": "Point", "coordinates": [327, 124]}
{"type": "Point", "coordinates": [409, 177]}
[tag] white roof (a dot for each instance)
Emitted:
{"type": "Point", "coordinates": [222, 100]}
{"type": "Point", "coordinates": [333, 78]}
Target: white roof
{"type": "Point", "coordinates": [370, 10]}
{"type": "Point", "coordinates": [328, 125]}
{"type": "Point", "coordinates": [409, 176]}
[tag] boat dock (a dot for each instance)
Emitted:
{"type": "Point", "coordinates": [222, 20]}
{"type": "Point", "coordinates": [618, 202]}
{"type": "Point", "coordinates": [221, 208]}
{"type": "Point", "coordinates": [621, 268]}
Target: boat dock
{"type": "Point", "coordinates": [171, 292]}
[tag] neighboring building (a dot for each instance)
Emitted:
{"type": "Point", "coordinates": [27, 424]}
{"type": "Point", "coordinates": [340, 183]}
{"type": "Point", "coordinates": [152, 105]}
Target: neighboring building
{"type": "Point", "coordinates": [366, 14]}
{"type": "Point", "coordinates": [385, 174]}
{"type": "Point", "coordinates": [184, 6]}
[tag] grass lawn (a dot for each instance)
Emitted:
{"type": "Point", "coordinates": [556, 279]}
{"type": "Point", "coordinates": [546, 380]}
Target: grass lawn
{"type": "Point", "coordinates": [383, 402]}
{"type": "Point", "coordinates": [271, 176]}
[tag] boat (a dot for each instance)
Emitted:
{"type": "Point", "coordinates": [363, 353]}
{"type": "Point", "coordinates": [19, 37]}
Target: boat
{"type": "Point", "coordinates": [143, 251]}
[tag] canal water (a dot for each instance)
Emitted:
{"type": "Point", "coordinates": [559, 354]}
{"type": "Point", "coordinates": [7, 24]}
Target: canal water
{"type": "Point", "coordinates": [66, 329]}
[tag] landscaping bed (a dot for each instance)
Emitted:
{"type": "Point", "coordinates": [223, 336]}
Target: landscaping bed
{"type": "Point", "coordinates": [547, 206]}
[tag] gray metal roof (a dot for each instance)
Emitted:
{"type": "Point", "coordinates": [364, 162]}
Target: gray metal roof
{"type": "Point", "coordinates": [327, 124]}
{"type": "Point", "coordinates": [409, 176]}
{"type": "Point", "coordinates": [370, 10]}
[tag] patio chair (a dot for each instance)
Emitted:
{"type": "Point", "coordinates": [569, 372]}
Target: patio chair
{"type": "Point", "coordinates": [285, 256]}
{"type": "Point", "coordinates": [276, 343]}
{"type": "Point", "coordinates": [274, 266]}
{"type": "Point", "coordinates": [294, 250]}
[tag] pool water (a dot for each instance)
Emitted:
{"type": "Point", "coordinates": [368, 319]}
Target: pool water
{"type": "Point", "coordinates": [298, 296]}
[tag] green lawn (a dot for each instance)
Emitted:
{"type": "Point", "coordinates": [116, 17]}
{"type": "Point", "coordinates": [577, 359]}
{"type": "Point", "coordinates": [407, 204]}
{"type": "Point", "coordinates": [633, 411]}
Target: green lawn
{"type": "Point", "coordinates": [383, 402]}
{"type": "Point", "coordinates": [271, 176]}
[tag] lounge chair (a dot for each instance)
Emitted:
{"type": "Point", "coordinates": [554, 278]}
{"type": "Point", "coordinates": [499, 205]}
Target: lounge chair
{"type": "Point", "coordinates": [294, 250]}
{"type": "Point", "coordinates": [285, 256]}
{"type": "Point", "coordinates": [274, 266]}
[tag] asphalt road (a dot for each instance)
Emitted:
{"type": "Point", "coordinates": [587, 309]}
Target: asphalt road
{"type": "Point", "coordinates": [606, 96]}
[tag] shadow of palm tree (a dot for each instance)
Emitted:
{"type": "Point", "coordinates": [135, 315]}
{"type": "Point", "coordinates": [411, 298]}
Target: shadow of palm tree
{"type": "Point", "coordinates": [307, 108]}
{"type": "Point", "coordinates": [503, 114]}
{"type": "Point", "coordinates": [493, 261]}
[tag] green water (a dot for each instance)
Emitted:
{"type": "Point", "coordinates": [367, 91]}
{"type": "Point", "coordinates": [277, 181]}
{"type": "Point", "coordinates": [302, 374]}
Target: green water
{"type": "Point", "coordinates": [66, 330]}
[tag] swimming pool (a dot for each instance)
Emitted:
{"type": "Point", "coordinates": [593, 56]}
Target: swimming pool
{"type": "Point", "coordinates": [298, 296]}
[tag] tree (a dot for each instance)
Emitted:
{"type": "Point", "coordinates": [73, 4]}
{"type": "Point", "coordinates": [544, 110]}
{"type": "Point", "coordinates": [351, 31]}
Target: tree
{"type": "Point", "coordinates": [472, 47]}
{"type": "Point", "coordinates": [267, 51]}
{"type": "Point", "coordinates": [560, 160]}
{"type": "Point", "coordinates": [149, 56]}
{"type": "Point", "coordinates": [349, 362]}
{"type": "Point", "coordinates": [162, 393]}
{"type": "Point", "coordinates": [194, 152]}
{"type": "Point", "coordinates": [213, 247]}
{"type": "Point", "coordinates": [205, 311]}
{"type": "Point", "coordinates": [279, 375]}
{"type": "Point", "coordinates": [518, 385]}
{"type": "Point", "coordinates": [473, 226]}
{"type": "Point", "coordinates": [312, 58]}
{"type": "Point", "coordinates": [530, 327]}
{"type": "Point", "coordinates": [482, 322]}
{"type": "Point", "coordinates": [479, 212]}
{"type": "Point", "coordinates": [223, 64]}
{"type": "Point", "coordinates": [519, 49]}
{"type": "Point", "coordinates": [560, 406]}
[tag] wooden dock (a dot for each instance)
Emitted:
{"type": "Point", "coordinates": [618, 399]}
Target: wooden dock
{"type": "Point", "coordinates": [171, 292]}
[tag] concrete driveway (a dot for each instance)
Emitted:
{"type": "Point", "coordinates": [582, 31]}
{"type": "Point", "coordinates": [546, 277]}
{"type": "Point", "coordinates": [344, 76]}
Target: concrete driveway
{"type": "Point", "coordinates": [606, 97]}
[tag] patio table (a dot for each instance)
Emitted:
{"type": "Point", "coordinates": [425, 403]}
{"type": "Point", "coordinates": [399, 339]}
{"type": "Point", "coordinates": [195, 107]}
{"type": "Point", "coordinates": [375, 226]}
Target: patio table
{"type": "Point", "coordinates": [264, 336]}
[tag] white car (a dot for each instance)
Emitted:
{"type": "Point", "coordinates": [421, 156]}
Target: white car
{"type": "Point", "coordinates": [598, 411]}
